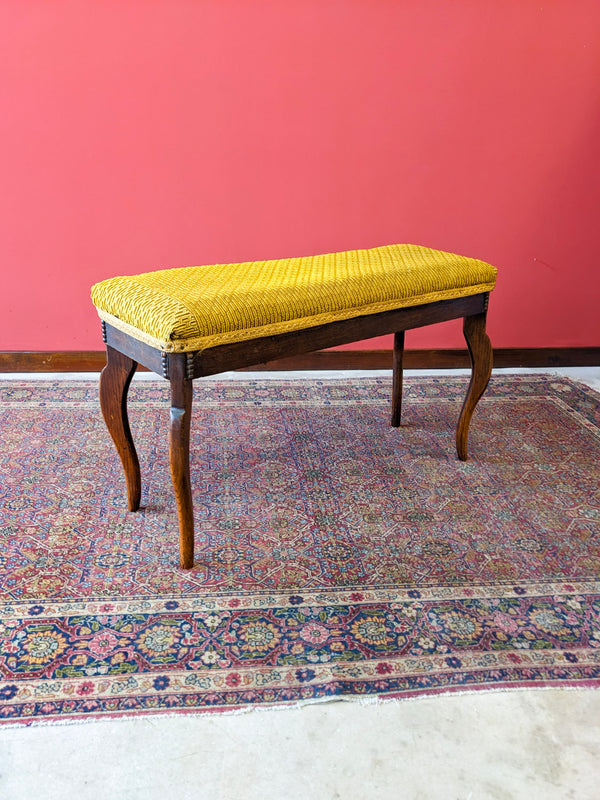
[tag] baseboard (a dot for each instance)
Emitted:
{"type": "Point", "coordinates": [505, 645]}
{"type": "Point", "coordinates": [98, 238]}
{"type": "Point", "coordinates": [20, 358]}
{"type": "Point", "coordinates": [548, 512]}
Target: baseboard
{"type": "Point", "coordinates": [94, 360]}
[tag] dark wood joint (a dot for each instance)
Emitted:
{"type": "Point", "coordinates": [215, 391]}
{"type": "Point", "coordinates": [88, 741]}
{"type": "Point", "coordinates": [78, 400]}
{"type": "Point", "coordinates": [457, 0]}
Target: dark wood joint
{"type": "Point", "coordinates": [189, 365]}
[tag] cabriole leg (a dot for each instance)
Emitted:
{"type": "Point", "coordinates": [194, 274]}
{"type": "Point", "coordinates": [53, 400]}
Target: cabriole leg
{"type": "Point", "coordinates": [397, 379]}
{"type": "Point", "coordinates": [179, 457]}
{"type": "Point", "coordinates": [114, 385]}
{"type": "Point", "coordinates": [480, 350]}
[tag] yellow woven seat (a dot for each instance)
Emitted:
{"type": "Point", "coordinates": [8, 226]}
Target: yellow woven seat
{"type": "Point", "coordinates": [194, 308]}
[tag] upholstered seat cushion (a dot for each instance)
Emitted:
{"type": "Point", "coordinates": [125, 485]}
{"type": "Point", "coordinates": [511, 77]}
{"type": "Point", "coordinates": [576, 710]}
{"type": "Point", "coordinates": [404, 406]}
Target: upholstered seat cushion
{"type": "Point", "coordinates": [192, 308]}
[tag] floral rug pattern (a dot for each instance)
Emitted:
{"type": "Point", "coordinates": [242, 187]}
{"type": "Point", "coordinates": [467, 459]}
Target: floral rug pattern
{"type": "Point", "coordinates": [335, 556]}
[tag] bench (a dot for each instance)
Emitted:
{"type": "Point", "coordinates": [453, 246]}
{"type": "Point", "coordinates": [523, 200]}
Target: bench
{"type": "Point", "coordinates": [191, 322]}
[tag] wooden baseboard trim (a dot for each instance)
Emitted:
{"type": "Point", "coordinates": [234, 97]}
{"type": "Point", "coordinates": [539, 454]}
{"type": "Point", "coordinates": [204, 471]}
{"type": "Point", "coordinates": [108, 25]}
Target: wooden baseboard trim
{"type": "Point", "coordinates": [94, 360]}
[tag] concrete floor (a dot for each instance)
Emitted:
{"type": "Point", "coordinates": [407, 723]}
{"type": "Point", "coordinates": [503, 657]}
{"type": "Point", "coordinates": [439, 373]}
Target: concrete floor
{"type": "Point", "coordinates": [535, 745]}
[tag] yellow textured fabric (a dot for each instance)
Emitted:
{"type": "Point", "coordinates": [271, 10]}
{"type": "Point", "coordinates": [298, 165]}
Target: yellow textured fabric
{"type": "Point", "coordinates": [192, 308]}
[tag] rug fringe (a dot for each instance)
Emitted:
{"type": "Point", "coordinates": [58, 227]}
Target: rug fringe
{"type": "Point", "coordinates": [300, 705]}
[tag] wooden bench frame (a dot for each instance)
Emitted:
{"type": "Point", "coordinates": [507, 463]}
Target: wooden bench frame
{"type": "Point", "coordinates": [124, 353]}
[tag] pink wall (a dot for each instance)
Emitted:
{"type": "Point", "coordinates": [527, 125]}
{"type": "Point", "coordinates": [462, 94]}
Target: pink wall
{"type": "Point", "coordinates": [138, 134]}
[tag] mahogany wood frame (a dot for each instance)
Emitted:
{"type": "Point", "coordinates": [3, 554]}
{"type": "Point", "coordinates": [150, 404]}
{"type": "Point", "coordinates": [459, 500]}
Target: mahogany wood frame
{"type": "Point", "coordinates": [124, 354]}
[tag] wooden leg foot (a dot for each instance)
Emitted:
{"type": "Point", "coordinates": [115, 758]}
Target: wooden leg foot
{"type": "Point", "coordinates": [480, 350]}
{"type": "Point", "coordinates": [179, 458]}
{"type": "Point", "coordinates": [114, 385]}
{"type": "Point", "coordinates": [397, 379]}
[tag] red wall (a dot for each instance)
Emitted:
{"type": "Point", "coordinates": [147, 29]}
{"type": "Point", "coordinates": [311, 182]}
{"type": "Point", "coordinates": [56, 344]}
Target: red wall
{"type": "Point", "coordinates": [137, 134]}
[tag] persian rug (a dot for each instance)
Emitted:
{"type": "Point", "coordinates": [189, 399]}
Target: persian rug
{"type": "Point", "coordinates": [335, 556]}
